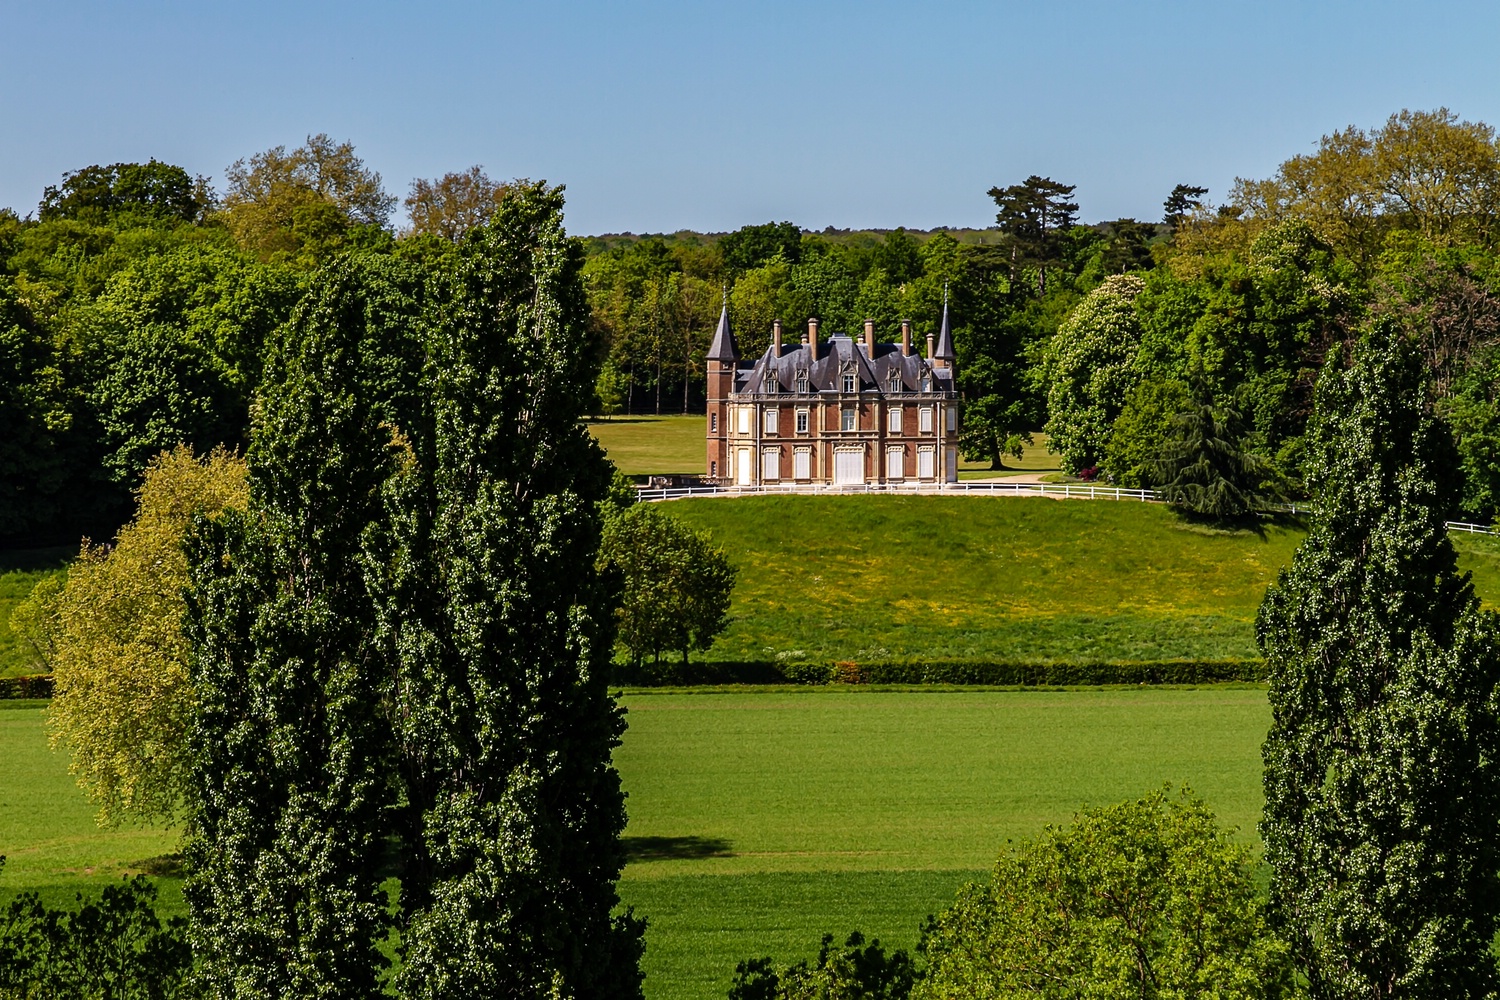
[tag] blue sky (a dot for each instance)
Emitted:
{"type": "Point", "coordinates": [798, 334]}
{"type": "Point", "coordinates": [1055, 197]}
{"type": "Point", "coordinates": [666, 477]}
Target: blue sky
{"type": "Point", "coordinates": [660, 116]}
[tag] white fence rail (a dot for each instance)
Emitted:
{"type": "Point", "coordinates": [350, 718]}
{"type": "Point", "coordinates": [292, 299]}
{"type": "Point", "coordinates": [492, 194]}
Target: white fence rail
{"type": "Point", "coordinates": [1067, 491]}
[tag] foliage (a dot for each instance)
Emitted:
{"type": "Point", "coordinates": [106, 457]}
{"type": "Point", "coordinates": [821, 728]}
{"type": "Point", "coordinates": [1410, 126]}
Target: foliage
{"type": "Point", "coordinates": [1034, 215]}
{"type": "Point", "coordinates": [1138, 433]}
{"type": "Point", "coordinates": [1144, 898]}
{"type": "Point", "coordinates": [113, 949]}
{"type": "Point", "coordinates": [505, 724]}
{"type": "Point", "coordinates": [1204, 469]}
{"type": "Point", "coordinates": [453, 204]}
{"type": "Point", "coordinates": [1089, 370]}
{"type": "Point", "coordinates": [677, 582]}
{"type": "Point", "coordinates": [305, 204]}
{"type": "Point", "coordinates": [751, 246]}
{"type": "Point", "coordinates": [34, 420]}
{"type": "Point", "coordinates": [855, 973]}
{"type": "Point", "coordinates": [112, 640]}
{"type": "Point", "coordinates": [150, 192]}
{"type": "Point", "coordinates": [1380, 775]}
{"type": "Point", "coordinates": [291, 743]}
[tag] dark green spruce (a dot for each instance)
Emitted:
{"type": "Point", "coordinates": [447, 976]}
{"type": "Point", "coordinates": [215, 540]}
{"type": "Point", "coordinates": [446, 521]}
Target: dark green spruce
{"type": "Point", "coordinates": [1382, 794]}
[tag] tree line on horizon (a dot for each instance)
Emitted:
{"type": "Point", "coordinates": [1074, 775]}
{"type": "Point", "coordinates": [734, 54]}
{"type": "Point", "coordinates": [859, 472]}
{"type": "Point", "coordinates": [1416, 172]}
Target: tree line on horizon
{"type": "Point", "coordinates": [136, 303]}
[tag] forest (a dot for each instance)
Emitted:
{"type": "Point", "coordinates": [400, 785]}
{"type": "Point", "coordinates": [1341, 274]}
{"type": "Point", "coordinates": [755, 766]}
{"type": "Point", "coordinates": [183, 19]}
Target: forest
{"type": "Point", "coordinates": [136, 301]}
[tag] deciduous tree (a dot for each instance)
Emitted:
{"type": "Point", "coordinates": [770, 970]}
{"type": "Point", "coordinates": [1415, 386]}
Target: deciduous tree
{"type": "Point", "coordinates": [453, 204]}
{"type": "Point", "coordinates": [1090, 370]}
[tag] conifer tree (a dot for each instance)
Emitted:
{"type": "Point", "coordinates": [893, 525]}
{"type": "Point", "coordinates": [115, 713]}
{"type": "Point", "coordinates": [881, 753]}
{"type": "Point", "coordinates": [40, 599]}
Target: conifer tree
{"type": "Point", "coordinates": [291, 740]}
{"type": "Point", "coordinates": [502, 627]}
{"type": "Point", "coordinates": [1380, 768]}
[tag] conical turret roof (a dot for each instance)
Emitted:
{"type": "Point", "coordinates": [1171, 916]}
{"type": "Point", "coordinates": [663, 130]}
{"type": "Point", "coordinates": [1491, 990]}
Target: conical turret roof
{"type": "Point", "coordinates": [723, 347]}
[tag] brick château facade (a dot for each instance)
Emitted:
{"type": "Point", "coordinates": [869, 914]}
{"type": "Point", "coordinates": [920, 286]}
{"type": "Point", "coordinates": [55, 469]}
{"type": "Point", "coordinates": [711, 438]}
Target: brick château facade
{"type": "Point", "coordinates": [844, 412]}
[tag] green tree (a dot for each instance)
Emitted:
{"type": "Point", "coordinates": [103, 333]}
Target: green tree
{"type": "Point", "coordinates": [128, 193]}
{"type": "Point", "coordinates": [501, 628]}
{"type": "Point", "coordinates": [35, 417]}
{"type": "Point", "coordinates": [677, 582]}
{"type": "Point", "coordinates": [1204, 468]}
{"type": "Point", "coordinates": [1033, 215]}
{"type": "Point", "coordinates": [752, 246]}
{"type": "Point", "coordinates": [1184, 200]}
{"type": "Point", "coordinates": [1090, 371]}
{"type": "Point", "coordinates": [453, 204]}
{"type": "Point", "coordinates": [292, 746]}
{"type": "Point", "coordinates": [858, 972]}
{"type": "Point", "coordinates": [112, 638]}
{"type": "Point", "coordinates": [304, 204]}
{"type": "Point", "coordinates": [1145, 423]}
{"type": "Point", "coordinates": [1143, 899]}
{"type": "Point", "coordinates": [1382, 795]}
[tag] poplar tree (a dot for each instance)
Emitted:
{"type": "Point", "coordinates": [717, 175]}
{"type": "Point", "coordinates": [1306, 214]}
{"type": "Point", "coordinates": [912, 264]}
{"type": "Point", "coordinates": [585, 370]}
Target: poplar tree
{"type": "Point", "coordinates": [1380, 767]}
{"type": "Point", "coordinates": [502, 629]}
{"type": "Point", "coordinates": [291, 740]}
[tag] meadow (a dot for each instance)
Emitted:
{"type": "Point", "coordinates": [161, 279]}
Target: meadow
{"type": "Point", "coordinates": [760, 820]}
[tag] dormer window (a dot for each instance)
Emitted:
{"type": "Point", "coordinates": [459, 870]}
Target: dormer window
{"type": "Point", "coordinates": [851, 383]}
{"type": "Point", "coordinates": [802, 382]}
{"type": "Point", "coordinates": [894, 385]}
{"type": "Point", "coordinates": [773, 385]}
{"type": "Point", "coordinates": [926, 383]}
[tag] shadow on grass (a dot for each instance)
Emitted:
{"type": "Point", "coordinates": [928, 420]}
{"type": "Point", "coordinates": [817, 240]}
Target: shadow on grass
{"type": "Point", "coordinates": [675, 848]}
{"type": "Point", "coordinates": [163, 865]}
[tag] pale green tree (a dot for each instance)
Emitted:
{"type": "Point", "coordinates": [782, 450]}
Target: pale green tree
{"type": "Point", "coordinates": [1090, 370]}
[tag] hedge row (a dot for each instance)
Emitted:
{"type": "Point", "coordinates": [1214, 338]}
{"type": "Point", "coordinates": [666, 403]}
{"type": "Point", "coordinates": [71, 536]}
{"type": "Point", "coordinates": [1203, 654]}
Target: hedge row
{"type": "Point", "coordinates": [943, 672]}
{"type": "Point", "coordinates": [31, 686]}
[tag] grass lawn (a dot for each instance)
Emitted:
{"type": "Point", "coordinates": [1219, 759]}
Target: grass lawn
{"type": "Point", "coordinates": [760, 820]}
{"type": "Point", "coordinates": [996, 578]}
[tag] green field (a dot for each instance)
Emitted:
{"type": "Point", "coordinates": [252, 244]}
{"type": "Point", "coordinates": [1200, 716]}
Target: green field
{"type": "Point", "coordinates": [760, 820]}
{"type": "Point", "coordinates": [20, 569]}
{"type": "Point", "coordinates": [874, 578]}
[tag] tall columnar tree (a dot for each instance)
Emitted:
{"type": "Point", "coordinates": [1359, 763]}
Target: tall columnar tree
{"type": "Point", "coordinates": [1090, 370]}
{"type": "Point", "coordinates": [1382, 793]}
{"type": "Point", "coordinates": [291, 741]}
{"type": "Point", "coordinates": [503, 632]}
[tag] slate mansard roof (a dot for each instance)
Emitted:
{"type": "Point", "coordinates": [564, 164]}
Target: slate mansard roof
{"type": "Point", "coordinates": [837, 356]}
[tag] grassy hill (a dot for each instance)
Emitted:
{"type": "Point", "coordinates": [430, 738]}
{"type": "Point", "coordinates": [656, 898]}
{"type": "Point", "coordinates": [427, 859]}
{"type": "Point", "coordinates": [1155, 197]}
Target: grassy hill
{"type": "Point", "coordinates": [879, 578]}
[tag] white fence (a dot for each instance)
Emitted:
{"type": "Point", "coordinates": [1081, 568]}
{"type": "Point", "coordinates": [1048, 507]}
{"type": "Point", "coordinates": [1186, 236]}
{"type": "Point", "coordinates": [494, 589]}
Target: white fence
{"type": "Point", "coordinates": [1067, 491]}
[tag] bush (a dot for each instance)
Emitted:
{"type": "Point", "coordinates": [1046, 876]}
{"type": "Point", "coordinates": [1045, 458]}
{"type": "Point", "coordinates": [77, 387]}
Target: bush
{"type": "Point", "coordinates": [944, 672]}
{"type": "Point", "coordinates": [859, 972]}
{"type": "Point", "coordinates": [1143, 899]}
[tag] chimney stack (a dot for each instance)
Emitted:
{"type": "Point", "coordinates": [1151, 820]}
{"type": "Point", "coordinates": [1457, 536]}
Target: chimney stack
{"type": "Point", "coordinates": [870, 339]}
{"type": "Point", "coordinates": [931, 345]}
{"type": "Point", "coordinates": [776, 339]}
{"type": "Point", "coordinates": [906, 338]}
{"type": "Point", "coordinates": [812, 337]}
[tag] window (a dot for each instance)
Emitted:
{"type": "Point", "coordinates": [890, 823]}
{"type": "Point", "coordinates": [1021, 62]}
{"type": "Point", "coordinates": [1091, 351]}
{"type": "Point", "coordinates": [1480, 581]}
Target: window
{"type": "Point", "coordinates": [802, 463]}
{"type": "Point", "coordinates": [772, 416]}
{"type": "Point", "coordinates": [924, 420]}
{"type": "Point", "coordinates": [893, 420]}
{"type": "Point", "coordinates": [926, 383]}
{"type": "Point", "coordinates": [713, 423]}
{"type": "Point", "coordinates": [952, 418]}
{"type": "Point", "coordinates": [895, 463]}
{"type": "Point", "coordinates": [894, 385]}
{"type": "Point", "coordinates": [849, 419]}
{"type": "Point", "coordinates": [802, 384]}
{"type": "Point", "coordinates": [850, 383]}
{"type": "Point", "coordinates": [744, 419]}
{"type": "Point", "coordinates": [926, 463]}
{"type": "Point", "coordinates": [713, 470]}
{"type": "Point", "coordinates": [770, 464]}
{"type": "Point", "coordinates": [772, 385]}
{"type": "Point", "coordinates": [801, 421]}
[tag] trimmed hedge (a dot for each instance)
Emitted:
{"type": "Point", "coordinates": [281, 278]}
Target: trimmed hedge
{"type": "Point", "coordinates": [30, 686]}
{"type": "Point", "coordinates": [944, 672]}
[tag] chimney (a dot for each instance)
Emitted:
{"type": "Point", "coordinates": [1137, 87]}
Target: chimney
{"type": "Point", "coordinates": [870, 339]}
{"type": "Point", "coordinates": [812, 337]}
{"type": "Point", "coordinates": [931, 345]}
{"type": "Point", "coordinates": [906, 338]}
{"type": "Point", "coordinates": [776, 339]}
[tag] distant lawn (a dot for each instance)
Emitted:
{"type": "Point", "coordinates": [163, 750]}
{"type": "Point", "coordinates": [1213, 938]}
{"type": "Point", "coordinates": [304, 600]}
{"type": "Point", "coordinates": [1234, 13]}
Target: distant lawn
{"type": "Point", "coordinates": [760, 820]}
{"type": "Point", "coordinates": [655, 446]}
{"type": "Point", "coordinates": [877, 578]}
